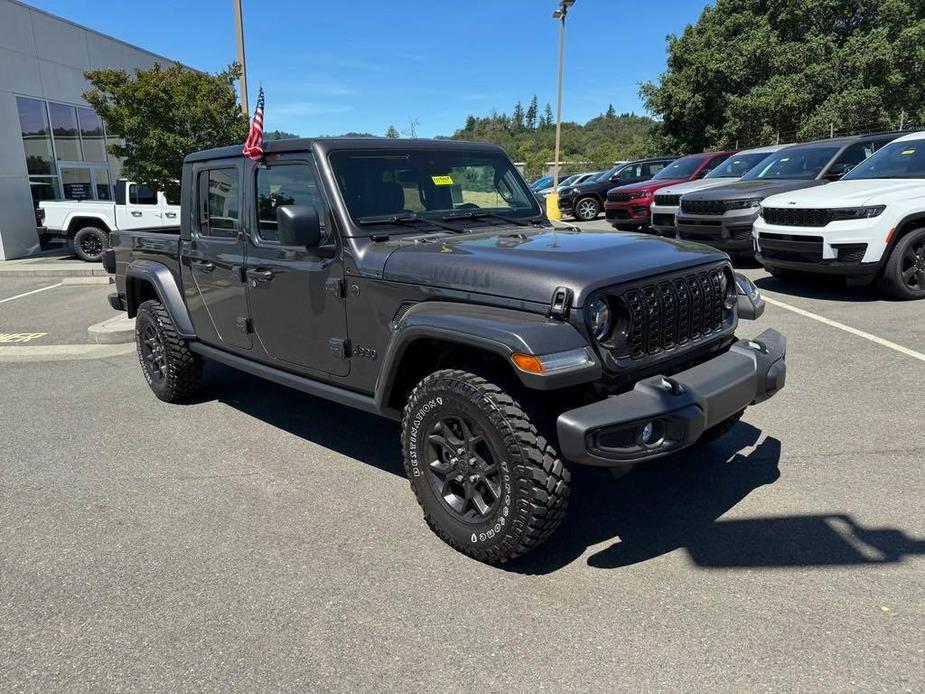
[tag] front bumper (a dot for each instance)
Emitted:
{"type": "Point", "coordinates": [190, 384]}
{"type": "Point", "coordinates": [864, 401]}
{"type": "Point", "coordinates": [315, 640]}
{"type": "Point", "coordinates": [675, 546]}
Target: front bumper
{"type": "Point", "coordinates": [848, 248]}
{"type": "Point", "coordinates": [609, 433]}
{"type": "Point", "coordinates": [565, 204]}
{"type": "Point", "coordinates": [633, 213]}
{"type": "Point", "coordinates": [731, 231]}
{"type": "Point", "coordinates": [663, 220]}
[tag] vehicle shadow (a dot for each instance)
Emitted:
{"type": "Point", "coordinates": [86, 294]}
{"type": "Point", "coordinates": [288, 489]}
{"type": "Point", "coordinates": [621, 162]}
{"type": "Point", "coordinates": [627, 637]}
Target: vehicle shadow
{"type": "Point", "coordinates": [820, 287]}
{"type": "Point", "coordinates": [678, 503]}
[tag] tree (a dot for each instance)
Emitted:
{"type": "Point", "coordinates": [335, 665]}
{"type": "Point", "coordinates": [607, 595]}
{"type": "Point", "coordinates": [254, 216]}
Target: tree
{"type": "Point", "coordinates": [517, 118]}
{"type": "Point", "coordinates": [392, 133]}
{"type": "Point", "coordinates": [164, 113]}
{"type": "Point", "coordinates": [279, 135]}
{"type": "Point", "coordinates": [750, 70]}
{"type": "Point", "coordinates": [532, 112]}
{"type": "Point", "coordinates": [547, 120]}
{"type": "Point", "coordinates": [611, 113]}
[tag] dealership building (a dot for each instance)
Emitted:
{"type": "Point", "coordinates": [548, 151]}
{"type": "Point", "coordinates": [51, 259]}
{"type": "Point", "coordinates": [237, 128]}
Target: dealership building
{"type": "Point", "coordinates": [53, 145]}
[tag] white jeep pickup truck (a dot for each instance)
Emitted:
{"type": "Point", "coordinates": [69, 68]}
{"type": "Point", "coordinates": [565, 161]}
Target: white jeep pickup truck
{"type": "Point", "coordinates": [869, 226]}
{"type": "Point", "coordinates": [88, 223]}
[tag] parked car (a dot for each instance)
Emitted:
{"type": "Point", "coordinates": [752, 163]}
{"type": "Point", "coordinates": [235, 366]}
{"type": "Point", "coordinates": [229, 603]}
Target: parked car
{"type": "Point", "coordinates": [585, 201]}
{"type": "Point", "coordinates": [368, 273]}
{"type": "Point", "coordinates": [628, 207]}
{"type": "Point", "coordinates": [869, 226]}
{"type": "Point", "coordinates": [723, 217]}
{"type": "Point", "coordinates": [572, 180]}
{"type": "Point", "coordinates": [667, 200]}
{"type": "Point", "coordinates": [88, 223]}
{"type": "Point", "coordinates": [540, 183]}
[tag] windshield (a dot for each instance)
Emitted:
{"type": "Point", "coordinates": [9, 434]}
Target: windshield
{"type": "Point", "coordinates": [895, 160]}
{"type": "Point", "coordinates": [737, 165]}
{"type": "Point", "coordinates": [799, 162]}
{"type": "Point", "coordinates": [429, 182]}
{"type": "Point", "coordinates": [681, 168]}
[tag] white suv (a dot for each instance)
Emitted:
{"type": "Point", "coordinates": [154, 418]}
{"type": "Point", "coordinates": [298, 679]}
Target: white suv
{"type": "Point", "coordinates": [868, 226]}
{"type": "Point", "coordinates": [667, 200]}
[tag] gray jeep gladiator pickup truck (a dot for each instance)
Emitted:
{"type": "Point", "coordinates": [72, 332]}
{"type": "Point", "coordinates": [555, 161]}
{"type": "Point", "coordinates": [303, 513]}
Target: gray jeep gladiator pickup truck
{"type": "Point", "coordinates": [419, 280]}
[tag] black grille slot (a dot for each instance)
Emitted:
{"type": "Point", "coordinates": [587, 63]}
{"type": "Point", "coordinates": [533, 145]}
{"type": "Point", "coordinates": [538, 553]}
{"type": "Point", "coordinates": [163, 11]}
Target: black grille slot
{"type": "Point", "coordinates": [668, 200]}
{"type": "Point", "coordinates": [709, 207]}
{"type": "Point", "coordinates": [851, 252]}
{"type": "Point", "coordinates": [618, 197]}
{"type": "Point", "coordinates": [741, 233]}
{"type": "Point", "coordinates": [795, 217]}
{"type": "Point", "coordinates": [673, 313]}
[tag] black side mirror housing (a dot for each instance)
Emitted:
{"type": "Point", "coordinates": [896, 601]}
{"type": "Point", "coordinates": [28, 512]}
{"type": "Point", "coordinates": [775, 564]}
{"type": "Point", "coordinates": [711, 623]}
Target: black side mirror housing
{"type": "Point", "coordinates": [749, 304]}
{"type": "Point", "coordinates": [837, 171]}
{"type": "Point", "coordinates": [299, 225]}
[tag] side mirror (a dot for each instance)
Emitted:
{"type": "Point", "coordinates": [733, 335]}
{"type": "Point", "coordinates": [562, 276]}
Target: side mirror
{"type": "Point", "coordinates": [837, 171]}
{"type": "Point", "coordinates": [749, 303]}
{"type": "Point", "coordinates": [298, 225]}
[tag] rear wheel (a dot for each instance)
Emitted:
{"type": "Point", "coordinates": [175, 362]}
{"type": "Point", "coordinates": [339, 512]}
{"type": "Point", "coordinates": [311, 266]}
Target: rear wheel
{"type": "Point", "coordinates": [490, 486]}
{"type": "Point", "coordinates": [89, 243]}
{"type": "Point", "coordinates": [587, 209]}
{"type": "Point", "coordinates": [903, 276]}
{"type": "Point", "coordinates": [173, 372]}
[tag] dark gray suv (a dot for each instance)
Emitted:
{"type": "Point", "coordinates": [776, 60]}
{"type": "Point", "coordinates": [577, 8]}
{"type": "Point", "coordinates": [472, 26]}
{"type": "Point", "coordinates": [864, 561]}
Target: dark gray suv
{"type": "Point", "coordinates": [723, 217]}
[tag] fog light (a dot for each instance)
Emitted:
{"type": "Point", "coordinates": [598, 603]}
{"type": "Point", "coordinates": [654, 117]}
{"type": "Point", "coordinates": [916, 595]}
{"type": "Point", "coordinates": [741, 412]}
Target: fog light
{"type": "Point", "coordinates": [651, 434]}
{"type": "Point", "coordinates": [647, 432]}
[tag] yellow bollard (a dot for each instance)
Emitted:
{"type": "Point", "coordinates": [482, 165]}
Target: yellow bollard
{"type": "Point", "coordinates": [552, 206]}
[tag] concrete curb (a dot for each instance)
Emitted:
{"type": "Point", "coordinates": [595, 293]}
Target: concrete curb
{"type": "Point", "coordinates": [118, 330]}
{"type": "Point", "coordinates": [87, 280]}
{"type": "Point", "coordinates": [21, 353]}
{"type": "Point", "coordinates": [53, 270]}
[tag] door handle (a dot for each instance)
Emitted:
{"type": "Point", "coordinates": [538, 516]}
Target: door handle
{"type": "Point", "coordinates": [170, 215]}
{"type": "Point", "coordinates": [136, 213]}
{"type": "Point", "coordinates": [203, 265]}
{"type": "Point", "coordinates": [259, 275]}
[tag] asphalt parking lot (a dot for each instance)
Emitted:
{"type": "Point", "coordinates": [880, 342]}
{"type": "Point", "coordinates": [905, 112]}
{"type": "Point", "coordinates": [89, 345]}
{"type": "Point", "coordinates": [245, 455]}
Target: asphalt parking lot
{"type": "Point", "coordinates": [264, 540]}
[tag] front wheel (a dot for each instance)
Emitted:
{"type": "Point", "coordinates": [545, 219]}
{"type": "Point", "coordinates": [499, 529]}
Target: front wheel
{"type": "Point", "coordinates": [172, 370]}
{"type": "Point", "coordinates": [89, 243]}
{"type": "Point", "coordinates": [587, 209]}
{"type": "Point", "coordinates": [489, 485]}
{"type": "Point", "coordinates": [903, 275]}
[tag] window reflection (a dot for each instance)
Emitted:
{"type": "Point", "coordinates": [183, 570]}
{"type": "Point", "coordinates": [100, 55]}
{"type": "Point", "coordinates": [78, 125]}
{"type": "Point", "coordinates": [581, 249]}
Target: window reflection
{"type": "Point", "coordinates": [64, 128]}
{"type": "Point", "coordinates": [36, 136]}
{"type": "Point", "coordinates": [91, 132]}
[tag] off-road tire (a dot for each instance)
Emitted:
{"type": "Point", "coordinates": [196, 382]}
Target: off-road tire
{"type": "Point", "coordinates": [89, 243]}
{"type": "Point", "coordinates": [586, 217]}
{"type": "Point", "coordinates": [181, 375]}
{"type": "Point", "coordinates": [890, 280]}
{"type": "Point", "coordinates": [720, 429]}
{"type": "Point", "coordinates": [534, 482]}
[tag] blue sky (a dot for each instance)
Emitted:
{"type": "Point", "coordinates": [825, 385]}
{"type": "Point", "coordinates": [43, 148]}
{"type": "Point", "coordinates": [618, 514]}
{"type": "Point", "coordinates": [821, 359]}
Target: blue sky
{"type": "Point", "coordinates": [360, 65]}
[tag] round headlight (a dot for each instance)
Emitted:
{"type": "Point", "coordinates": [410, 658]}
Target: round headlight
{"type": "Point", "coordinates": [727, 286]}
{"type": "Point", "coordinates": [599, 317]}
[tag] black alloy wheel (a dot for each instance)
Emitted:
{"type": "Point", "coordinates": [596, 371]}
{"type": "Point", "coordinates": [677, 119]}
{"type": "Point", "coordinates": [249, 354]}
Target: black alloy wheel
{"type": "Point", "coordinates": [464, 472]}
{"type": "Point", "coordinates": [912, 265]}
{"type": "Point", "coordinates": [153, 359]}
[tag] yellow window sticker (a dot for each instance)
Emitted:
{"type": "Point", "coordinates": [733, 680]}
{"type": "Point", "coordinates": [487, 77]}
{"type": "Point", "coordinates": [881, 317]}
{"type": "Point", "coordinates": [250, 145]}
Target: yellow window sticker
{"type": "Point", "coordinates": [907, 152]}
{"type": "Point", "coordinates": [442, 180]}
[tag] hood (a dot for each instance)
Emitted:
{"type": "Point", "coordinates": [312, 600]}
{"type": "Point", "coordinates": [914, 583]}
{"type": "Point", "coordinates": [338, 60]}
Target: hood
{"type": "Point", "coordinates": [530, 265]}
{"type": "Point", "coordinates": [693, 186]}
{"type": "Point", "coordinates": [753, 189]}
{"type": "Point", "coordinates": [871, 191]}
{"type": "Point", "coordinates": [648, 186]}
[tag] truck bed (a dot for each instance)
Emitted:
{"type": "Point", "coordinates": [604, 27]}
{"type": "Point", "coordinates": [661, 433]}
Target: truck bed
{"type": "Point", "coordinates": [160, 244]}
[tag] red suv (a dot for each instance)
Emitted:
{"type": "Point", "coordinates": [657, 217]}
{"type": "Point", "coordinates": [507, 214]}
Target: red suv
{"type": "Point", "coordinates": [627, 207]}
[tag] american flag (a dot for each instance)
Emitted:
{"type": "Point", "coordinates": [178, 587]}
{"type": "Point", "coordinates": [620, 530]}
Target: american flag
{"type": "Point", "coordinates": [253, 146]}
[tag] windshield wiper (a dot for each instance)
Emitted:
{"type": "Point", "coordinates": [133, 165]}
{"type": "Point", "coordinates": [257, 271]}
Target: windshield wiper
{"type": "Point", "coordinates": [409, 219]}
{"type": "Point", "coordinates": [494, 215]}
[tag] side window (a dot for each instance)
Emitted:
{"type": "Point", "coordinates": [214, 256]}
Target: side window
{"type": "Point", "coordinates": [285, 184]}
{"type": "Point", "coordinates": [218, 203]}
{"type": "Point", "coordinates": [854, 155]}
{"type": "Point", "coordinates": [631, 173]}
{"type": "Point", "coordinates": [653, 168]}
{"type": "Point", "coordinates": [712, 165]}
{"type": "Point", "coordinates": [141, 195]}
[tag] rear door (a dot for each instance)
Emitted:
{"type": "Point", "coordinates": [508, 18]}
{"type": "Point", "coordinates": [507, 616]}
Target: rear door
{"type": "Point", "coordinates": [296, 297]}
{"type": "Point", "coordinates": [170, 214]}
{"type": "Point", "coordinates": [142, 208]}
{"type": "Point", "coordinates": [212, 260]}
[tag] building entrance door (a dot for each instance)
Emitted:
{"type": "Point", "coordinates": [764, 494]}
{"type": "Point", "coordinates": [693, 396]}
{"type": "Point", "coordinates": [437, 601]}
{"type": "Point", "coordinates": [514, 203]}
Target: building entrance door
{"type": "Point", "coordinates": [85, 182]}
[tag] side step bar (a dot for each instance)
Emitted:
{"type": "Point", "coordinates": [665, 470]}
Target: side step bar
{"type": "Point", "coordinates": [306, 385]}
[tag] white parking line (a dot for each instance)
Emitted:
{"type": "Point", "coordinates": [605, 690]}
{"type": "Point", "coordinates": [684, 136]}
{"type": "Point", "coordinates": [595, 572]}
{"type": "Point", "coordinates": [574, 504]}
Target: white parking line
{"type": "Point", "coordinates": [34, 291]}
{"type": "Point", "coordinates": [847, 328]}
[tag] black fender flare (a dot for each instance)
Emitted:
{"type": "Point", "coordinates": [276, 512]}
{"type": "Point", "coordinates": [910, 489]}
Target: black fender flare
{"type": "Point", "coordinates": [497, 330]}
{"type": "Point", "coordinates": [896, 236]}
{"type": "Point", "coordinates": [168, 291]}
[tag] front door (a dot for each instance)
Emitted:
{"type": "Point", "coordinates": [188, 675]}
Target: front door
{"type": "Point", "coordinates": [295, 296]}
{"type": "Point", "coordinates": [142, 208]}
{"type": "Point", "coordinates": [213, 258]}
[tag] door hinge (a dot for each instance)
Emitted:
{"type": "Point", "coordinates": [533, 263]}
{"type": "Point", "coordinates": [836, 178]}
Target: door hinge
{"type": "Point", "coordinates": [244, 325]}
{"type": "Point", "coordinates": [334, 287]}
{"type": "Point", "coordinates": [339, 346]}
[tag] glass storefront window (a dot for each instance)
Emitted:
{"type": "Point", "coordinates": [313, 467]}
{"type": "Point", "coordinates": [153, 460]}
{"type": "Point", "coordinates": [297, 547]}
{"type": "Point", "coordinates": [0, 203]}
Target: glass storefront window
{"type": "Point", "coordinates": [44, 188]}
{"type": "Point", "coordinates": [91, 132]}
{"type": "Point", "coordinates": [67, 135]}
{"type": "Point", "coordinates": [76, 183]}
{"type": "Point", "coordinates": [36, 136]}
{"type": "Point", "coordinates": [103, 190]}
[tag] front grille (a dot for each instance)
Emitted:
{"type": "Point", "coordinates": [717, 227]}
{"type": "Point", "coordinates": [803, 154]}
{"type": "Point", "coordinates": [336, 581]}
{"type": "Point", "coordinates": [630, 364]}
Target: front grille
{"type": "Point", "coordinates": [663, 219]}
{"type": "Point", "coordinates": [710, 207]}
{"type": "Point", "coordinates": [668, 200]}
{"type": "Point", "coordinates": [618, 214]}
{"type": "Point", "coordinates": [794, 249]}
{"type": "Point", "coordinates": [851, 252]}
{"type": "Point", "coordinates": [741, 233]}
{"type": "Point", "coordinates": [673, 313]}
{"type": "Point", "coordinates": [794, 217]}
{"type": "Point", "coordinates": [619, 197]}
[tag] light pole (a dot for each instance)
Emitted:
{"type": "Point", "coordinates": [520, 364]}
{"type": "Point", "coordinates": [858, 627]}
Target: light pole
{"type": "Point", "coordinates": [560, 14]}
{"type": "Point", "coordinates": [242, 61]}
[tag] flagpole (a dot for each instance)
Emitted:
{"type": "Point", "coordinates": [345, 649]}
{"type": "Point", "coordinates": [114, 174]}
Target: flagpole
{"type": "Point", "coordinates": [242, 61]}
